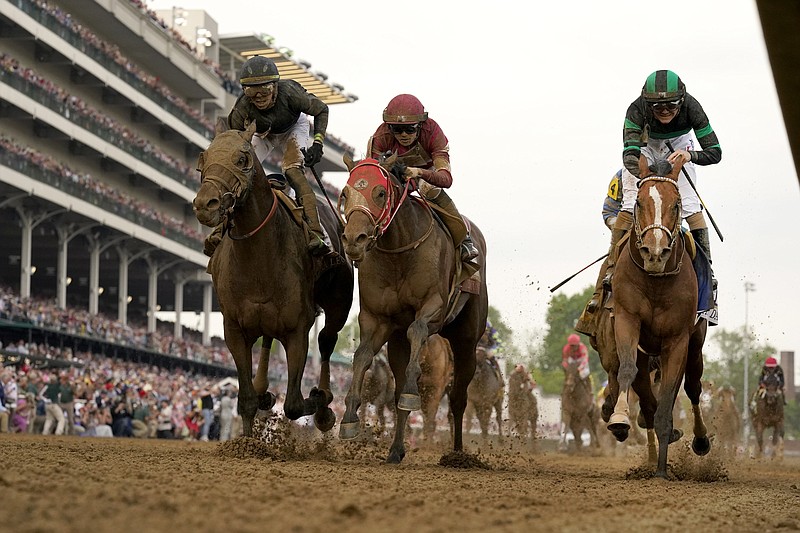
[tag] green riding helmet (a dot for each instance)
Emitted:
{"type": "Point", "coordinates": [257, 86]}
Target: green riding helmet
{"type": "Point", "coordinates": [258, 70]}
{"type": "Point", "coordinates": [663, 86]}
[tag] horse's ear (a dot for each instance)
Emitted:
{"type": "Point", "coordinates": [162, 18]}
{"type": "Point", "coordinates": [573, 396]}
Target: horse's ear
{"type": "Point", "coordinates": [644, 168]}
{"type": "Point", "coordinates": [251, 129]}
{"type": "Point", "coordinates": [676, 170]}
{"type": "Point", "coordinates": [221, 125]}
{"type": "Point", "coordinates": [348, 161]}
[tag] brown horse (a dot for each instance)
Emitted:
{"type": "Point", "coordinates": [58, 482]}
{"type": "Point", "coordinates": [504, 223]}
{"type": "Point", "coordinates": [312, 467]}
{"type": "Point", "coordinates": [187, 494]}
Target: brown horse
{"type": "Point", "coordinates": [655, 309]}
{"type": "Point", "coordinates": [578, 410]}
{"type": "Point", "coordinates": [267, 283]}
{"type": "Point", "coordinates": [726, 419]}
{"type": "Point", "coordinates": [768, 413]}
{"type": "Point", "coordinates": [410, 287]}
{"type": "Point", "coordinates": [378, 390]}
{"type": "Point", "coordinates": [523, 409]}
{"type": "Point", "coordinates": [485, 393]}
{"type": "Point", "coordinates": [436, 362]}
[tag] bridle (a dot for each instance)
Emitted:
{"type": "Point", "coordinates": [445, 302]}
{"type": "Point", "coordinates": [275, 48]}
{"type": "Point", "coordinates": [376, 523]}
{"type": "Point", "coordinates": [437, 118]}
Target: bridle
{"type": "Point", "coordinates": [381, 220]}
{"type": "Point", "coordinates": [672, 234]}
{"type": "Point", "coordinates": [229, 195]}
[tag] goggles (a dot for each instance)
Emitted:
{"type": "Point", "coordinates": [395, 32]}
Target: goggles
{"type": "Point", "coordinates": [254, 90]}
{"type": "Point", "coordinates": [397, 129]}
{"type": "Point", "coordinates": [669, 106]}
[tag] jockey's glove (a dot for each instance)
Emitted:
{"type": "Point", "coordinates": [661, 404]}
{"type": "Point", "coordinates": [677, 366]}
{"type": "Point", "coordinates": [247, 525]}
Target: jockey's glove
{"type": "Point", "coordinates": [313, 154]}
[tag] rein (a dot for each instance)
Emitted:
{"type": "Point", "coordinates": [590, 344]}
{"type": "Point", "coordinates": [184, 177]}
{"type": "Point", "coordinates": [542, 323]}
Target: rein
{"type": "Point", "coordinates": [263, 222]}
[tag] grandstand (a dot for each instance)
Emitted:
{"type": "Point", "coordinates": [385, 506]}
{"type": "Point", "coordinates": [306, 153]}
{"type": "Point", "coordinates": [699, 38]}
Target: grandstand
{"type": "Point", "coordinates": [104, 108]}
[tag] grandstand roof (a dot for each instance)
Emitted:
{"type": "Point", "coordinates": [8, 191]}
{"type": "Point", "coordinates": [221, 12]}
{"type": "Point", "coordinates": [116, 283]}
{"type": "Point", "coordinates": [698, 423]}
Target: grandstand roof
{"type": "Point", "coordinates": [235, 49]}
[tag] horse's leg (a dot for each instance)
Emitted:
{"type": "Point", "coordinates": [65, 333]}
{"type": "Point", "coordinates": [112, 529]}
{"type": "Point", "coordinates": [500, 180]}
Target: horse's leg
{"type": "Point", "coordinates": [373, 336]}
{"type": "Point", "coordinates": [693, 386]}
{"type": "Point", "coordinates": [498, 411]}
{"type": "Point", "coordinates": [336, 314]}
{"type": "Point", "coordinates": [261, 380]}
{"type": "Point", "coordinates": [626, 333]}
{"type": "Point", "coordinates": [296, 346]}
{"type": "Point", "coordinates": [243, 357]}
{"type": "Point", "coordinates": [417, 334]}
{"type": "Point", "coordinates": [398, 350]}
{"type": "Point", "coordinates": [673, 367]}
{"type": "Point", "coordinates": [647, 407]}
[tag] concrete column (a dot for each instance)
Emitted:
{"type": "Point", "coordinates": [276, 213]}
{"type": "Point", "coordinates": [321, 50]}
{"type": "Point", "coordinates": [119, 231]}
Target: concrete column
{"type": "Point", "coordinates": [25, 255]}
{"type": "Point", "coordinates": [207, 301]}
{"type": "Point", "coordinates": [122, 286]}
{"type": "Point", "coordinates": [94, 276]}
{"type": "Point", "coordinates": [61, 268]}
{"type": "Point", "coordinates": [152, 295]}
{"type": "Point", "coordinates": [178, 332]}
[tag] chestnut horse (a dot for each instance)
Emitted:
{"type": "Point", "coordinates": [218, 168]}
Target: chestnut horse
{"type": "Point", "coordinates": [410, 287]}
{"type": "Point", "coordinates": [523, 409]}
{"type": "Point", "coordinates": [378, 389]}
{"type": "Point", "coordinates": [578, 410]}
{"type": "Point", "coordinates": [485, 394]}
{"type": "Point", "coordinates": [725, 419]}
{"type": "Point", "coordinates": [655, 308]}
{"type": "Point", "coordinates": [267, 283]}
{"type": "Point", "coordinates": [436, 363]}
{"type": "Point", "coordinates": [769, 413]}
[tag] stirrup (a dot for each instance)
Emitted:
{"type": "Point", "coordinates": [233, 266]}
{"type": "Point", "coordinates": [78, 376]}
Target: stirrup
{"type": "Point", "coordinates": [317, 244]}
{"type": "Point", "coordinates": [468, 250]}
{"type": "Point", "coordinates": [593, 305]}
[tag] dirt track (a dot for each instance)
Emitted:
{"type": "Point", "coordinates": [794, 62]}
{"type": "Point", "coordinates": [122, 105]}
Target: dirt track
{"type": "Point", "coordinates": [91, 484]}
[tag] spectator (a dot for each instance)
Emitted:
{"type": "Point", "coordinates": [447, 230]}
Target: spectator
{"type": "Point", "coordinates": [164, 428]}
{"type": "Point", "coordinates": [50, 394]}
{"type": "Point", "coordinates": [225, 416]}
{"type": "Point", "coordinates": [207, 412]}
{"type": "Point", "coordinates": [67, 402]}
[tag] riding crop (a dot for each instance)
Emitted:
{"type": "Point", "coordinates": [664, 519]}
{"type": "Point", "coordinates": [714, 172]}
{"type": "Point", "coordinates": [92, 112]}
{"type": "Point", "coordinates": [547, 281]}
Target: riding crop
{"type": "Point", "coordinates": [686, 174]}
{"type": "Point", "coordinates": [579, 271]}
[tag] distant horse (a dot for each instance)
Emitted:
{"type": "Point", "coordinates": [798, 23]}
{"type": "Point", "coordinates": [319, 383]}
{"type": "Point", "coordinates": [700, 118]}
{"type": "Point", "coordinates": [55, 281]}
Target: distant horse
{"type": "Point", "coordinates": [725, 419]}
{"type": "Point", "coordinates": [578, 410]}
{"type": "Point", "coordinates": [378, 390]}
{"type": "Point", "coordinates": [436, 362]}
{"type": "Point", "coordinates": [485, 393]}
{"type": "Point", "coordinates": [769, 413]}
{"type": "Point", "coordinates": [523, 409]}
{"type": "Point", "coordinates": [411, 285]}
{"type": "Point", "coordinates": [267, 283]}
{"type": "Point", "coordinates": [655, 308]}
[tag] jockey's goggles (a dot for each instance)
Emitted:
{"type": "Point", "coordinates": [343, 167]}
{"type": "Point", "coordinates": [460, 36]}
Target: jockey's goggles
{"type": "Point", "coordinates": [397, 129]}
{"type": "Point", "coordinates": [254, 90]}
{"type": "Point", "coordinates": [669, 106]}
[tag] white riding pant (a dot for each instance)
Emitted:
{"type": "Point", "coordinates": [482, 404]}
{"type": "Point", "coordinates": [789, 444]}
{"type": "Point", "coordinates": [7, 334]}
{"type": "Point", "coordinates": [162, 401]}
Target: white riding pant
{"type": "Point", "coordinates": [658, 149]}
{"type": "Point", "coordinates": [265, 143]}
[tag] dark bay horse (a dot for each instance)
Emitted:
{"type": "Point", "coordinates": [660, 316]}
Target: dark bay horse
{"type": "Point", "coordinates": [485, 394]}
{"type": "Point", "coordinates": [523, 409]}
{"type": "Point", "coordinates": [578, 410]}
{"type": "Point", "coordinates": [410, 287]}
{"type": "Point", "coordinates": [267, 283]}
{"type": "Point", "coordinates": [655, 309]}
{"type": "Point", "coordinates": [769, 413]}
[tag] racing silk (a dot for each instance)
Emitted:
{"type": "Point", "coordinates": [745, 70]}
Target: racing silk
{"type": "Point", "coordinates": [292, 100]}
{"type": "Point", "coordinates": [641, 127]}
{"type": "Point", "coordinates": [430, 152]}
{"type": "Point", "coordinates": [579, 353]}
{"type": "Point", "coordinates": [613, 201]}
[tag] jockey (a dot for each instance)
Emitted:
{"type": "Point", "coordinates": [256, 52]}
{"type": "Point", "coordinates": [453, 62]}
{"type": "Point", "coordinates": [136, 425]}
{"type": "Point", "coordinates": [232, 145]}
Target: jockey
{"type": "Point", "coordinates": [573, 351]}
{"type": "Point", "coordinates": [488, 342]}
{"type": "Point", "coordinates": [664, 112]}
{"type": "Point", "coordinates": [611, 208]}
{"type": "Point", "coordinates": [421, 145]}
{"type": "Point", "coordinates": [771, 367]}
{"type": "Point", "coordinates": [527, 380]}
{"type": "Point", "coordinates": [280, 109]}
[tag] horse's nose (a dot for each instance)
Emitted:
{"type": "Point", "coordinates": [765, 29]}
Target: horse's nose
{"type": "Point", "coordinates": [209, 204]}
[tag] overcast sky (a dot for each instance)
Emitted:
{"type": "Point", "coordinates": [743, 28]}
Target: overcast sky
{"type": "Point", "coordinates": [533, 99]}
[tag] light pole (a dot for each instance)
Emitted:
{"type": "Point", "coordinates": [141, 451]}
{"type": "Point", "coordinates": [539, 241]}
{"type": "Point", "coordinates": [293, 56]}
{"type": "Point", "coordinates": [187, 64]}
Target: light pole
{"type": "Point", "coordinates": [748, 288]}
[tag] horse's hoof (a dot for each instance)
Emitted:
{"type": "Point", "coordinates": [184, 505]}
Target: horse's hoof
{"type": "Point", "coordinates": [619, 425]}
{"type": "Point", "coordinates": [661, 474]}
{"type": "Point", "coordinates": [266, 401]}
{"type": "Point", "coordinates": [349, 430]}
{"type": "Point", "coordinates": [324, 419]}
{"type": "Point", "coordinates": [701, 445]}
{"type": "Point", "coordinates": [606, 411]}
{"type": "Point", "coordinates": [395, 458]}
{"type": "Point", "coordinates": [677, 434]}
{"type": "Point", "coordinates": [321, 396]}
{"type": "Point", "coordinates": [409, 402]}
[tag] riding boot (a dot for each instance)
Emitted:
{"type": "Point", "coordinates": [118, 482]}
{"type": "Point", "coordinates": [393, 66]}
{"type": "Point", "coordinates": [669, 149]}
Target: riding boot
{"type": "Point", "coordinates": [316, 236]}
{"type": "Point", "coordinates": [456, 225]}
{"type": "Point", "coordinates": [701, 238]}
